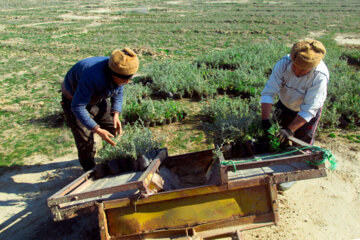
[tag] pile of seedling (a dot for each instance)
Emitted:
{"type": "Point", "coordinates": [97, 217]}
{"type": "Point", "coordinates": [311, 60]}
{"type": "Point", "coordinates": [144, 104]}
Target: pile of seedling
{"type": "Point", "coordinates": [133, 152]}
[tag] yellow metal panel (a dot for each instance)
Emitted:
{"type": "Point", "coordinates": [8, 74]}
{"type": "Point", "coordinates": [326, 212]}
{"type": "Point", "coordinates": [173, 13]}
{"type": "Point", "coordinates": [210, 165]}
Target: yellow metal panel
{"type": "Point", "coordinates": [188, 211]}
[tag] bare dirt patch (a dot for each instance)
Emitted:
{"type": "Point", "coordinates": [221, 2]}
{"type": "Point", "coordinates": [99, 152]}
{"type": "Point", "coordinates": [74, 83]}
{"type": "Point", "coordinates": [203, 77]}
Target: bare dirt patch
{"type": "Point", "coordinates": [174, 2]}
{"type": "Point", "coordinates": [77, 17]}
{"type": "Point", "coordinates": [316, 34]}
{"type": "Point", "coordinates": [233, 1]}
{"type": "Point", "coordinates": [9, 75]}
{"type": "Point", "coordinates": [13, 41]}
{"type": "Point", "coordinates": [100, 10]}
{"type": "Point", "coordinates": [348, 39]}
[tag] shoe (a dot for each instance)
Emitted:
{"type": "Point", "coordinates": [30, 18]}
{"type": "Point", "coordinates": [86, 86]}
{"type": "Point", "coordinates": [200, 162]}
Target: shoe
{"type": "Point", "coordinates": [285, 186]}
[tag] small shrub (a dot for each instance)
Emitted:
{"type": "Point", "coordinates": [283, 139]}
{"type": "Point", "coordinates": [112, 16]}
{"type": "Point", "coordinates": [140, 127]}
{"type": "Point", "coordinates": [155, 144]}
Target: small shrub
{"type": "Point", "coordinates": [233, 121]}
{"type": "Point", "coordinates": [135, 142]}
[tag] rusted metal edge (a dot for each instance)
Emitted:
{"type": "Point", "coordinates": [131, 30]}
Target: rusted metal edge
{"type": "Point", "coordinates": [234, 233]}
{"type": "Point", "coordinates": [277, 161]}
{"type": "Point", "coordinates": [273, 198]}
{"type": "Point", "coordinates": [258, 218]}
{"type": "Point", "coordinates": [71, 186]}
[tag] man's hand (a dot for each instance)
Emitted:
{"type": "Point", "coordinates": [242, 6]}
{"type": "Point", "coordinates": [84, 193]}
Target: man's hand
{"type": "Point", "coordinates": [117, 124]}
{"type": "Point", "coordinates": [284, 134]}
{"type": "Point", "coordinates": [105, 135]}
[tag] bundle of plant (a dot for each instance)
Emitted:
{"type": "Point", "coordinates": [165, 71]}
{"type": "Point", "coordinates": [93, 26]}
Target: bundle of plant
{"type": "Point", "coordinates": [127, 155]}
{"type": "Point", "coordinates": [235, 128]}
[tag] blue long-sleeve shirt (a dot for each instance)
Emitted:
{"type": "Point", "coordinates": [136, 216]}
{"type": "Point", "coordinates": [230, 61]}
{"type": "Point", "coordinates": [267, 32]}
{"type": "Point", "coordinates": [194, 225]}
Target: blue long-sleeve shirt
{"type": "Point", "coordinates": [89, 81]}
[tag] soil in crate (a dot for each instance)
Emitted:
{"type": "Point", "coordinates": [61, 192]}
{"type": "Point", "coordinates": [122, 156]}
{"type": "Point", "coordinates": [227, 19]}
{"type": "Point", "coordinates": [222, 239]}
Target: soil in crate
{"type": "Point", "coordinates": [245, 149]}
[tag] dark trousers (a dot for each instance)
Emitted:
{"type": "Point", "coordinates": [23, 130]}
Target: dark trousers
{"type": "Point", "coordinates": [305, 133]}
{"type": "Point", "coordinates": [84, 138]}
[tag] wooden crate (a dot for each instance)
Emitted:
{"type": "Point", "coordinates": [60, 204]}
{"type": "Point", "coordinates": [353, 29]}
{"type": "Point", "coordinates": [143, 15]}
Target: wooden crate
{"type": "Point", "coordinates": [210, 195]}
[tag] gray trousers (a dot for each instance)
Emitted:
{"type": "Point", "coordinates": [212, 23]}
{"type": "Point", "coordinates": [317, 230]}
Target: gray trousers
{"type": "Point", "coordinates": [84, 138]}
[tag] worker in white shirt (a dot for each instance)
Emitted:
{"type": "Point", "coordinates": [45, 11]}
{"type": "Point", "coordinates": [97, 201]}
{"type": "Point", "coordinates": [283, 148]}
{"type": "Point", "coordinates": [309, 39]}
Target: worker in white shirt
{"type": "Point", "coordinates": [300, 80]}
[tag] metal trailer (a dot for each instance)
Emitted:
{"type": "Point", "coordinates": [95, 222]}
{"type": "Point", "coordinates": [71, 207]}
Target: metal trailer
{"type": "Point", "coordinates": [216, 200]}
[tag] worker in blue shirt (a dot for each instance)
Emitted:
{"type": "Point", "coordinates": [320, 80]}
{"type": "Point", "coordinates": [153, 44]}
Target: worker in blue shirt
{"type": "Point", "coordinates": [86, 91]}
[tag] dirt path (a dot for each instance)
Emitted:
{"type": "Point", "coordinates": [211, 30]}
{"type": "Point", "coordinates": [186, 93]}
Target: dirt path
{"type": "Point", "coordinates": [324, 208]}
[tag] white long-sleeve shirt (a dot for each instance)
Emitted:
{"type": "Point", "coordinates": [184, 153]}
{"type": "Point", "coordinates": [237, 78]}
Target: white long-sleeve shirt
{"type": "Point", "coordinates": [305, 94]}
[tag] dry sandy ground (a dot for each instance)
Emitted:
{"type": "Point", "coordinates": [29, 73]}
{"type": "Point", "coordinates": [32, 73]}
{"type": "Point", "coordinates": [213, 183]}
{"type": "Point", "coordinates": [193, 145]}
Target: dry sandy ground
{"type": "Point", "coordinates": [323, 208]}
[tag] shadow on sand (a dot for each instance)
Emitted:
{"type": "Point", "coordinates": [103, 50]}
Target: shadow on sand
{"type": "Point", "coordinates": [24, 211]}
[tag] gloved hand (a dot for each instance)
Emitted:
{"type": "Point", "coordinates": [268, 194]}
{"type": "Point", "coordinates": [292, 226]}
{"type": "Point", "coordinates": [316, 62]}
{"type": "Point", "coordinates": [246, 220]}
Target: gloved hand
{"type": "Point", "coordinates": [284, 134]}
{"type": "Point", "coordinates": [265, 125]}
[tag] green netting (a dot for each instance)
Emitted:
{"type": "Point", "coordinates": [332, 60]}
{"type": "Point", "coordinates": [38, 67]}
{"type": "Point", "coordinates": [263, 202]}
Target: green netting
{"type": "Point", "coordinates": [327, 156]}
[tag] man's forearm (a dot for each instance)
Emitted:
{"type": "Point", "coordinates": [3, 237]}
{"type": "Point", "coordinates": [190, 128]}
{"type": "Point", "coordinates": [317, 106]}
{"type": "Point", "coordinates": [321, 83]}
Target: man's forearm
{"type": "Point", "coordinates": [297, 123]}
{"type": "Point", "coordinates": [266, 110]}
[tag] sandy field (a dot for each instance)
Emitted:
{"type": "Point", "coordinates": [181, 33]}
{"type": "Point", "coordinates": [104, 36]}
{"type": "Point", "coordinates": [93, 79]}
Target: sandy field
{"type": "Point", "coordinates": [322, 208]}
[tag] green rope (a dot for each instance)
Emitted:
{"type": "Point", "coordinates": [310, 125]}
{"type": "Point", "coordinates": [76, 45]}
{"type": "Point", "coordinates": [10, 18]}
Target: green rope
{"type": "Point", "coordinates": [327, 156]}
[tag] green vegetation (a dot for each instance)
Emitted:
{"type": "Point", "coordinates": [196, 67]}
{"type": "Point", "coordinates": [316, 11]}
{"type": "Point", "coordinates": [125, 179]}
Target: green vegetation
{"type": "Point", "coordinates": [136, 141]}
{"type": "Point", "coordinates": [231, 121]}
{"type": "Point", "coordinates": [195, 49]}
{"type": "Point", "coordinates": [352, 137]}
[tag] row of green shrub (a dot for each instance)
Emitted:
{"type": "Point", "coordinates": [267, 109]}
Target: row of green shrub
{"type": "Point", "coordinates": [243, 72]}
{"type": "Point", "coordinates": [139, 106]}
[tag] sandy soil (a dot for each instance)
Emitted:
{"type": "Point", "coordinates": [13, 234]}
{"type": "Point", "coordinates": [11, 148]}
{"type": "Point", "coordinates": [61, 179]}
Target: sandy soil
{"type": "Point", "coordinates": [323, 208]}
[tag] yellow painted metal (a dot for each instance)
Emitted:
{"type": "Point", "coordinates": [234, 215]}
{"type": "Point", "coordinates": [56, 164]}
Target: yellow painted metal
{"type": "Point", "coordinates": [184, 212]}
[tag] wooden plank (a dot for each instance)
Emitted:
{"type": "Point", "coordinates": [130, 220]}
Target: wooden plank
{"type": "Point", "coordinates": [68, 188]}
{"type": "Point", "coordinates": [299, 175]}
{"type": "Point", "coordinates": [277, 161]}
{"type": "Point", "coordinates": [104, 230]}
{"type": "Point", "coordinates": [252, 172]}
{"type": "Point", "coordinates": [83, 182]}
{"type": "Point", "coordinates": [267, 170]}
{"type": "Point", "coordinates": [250, 182]}
{"type": "Point", "coordinates": [111, 181]}
{"type": "Point", "coordinates": [154, 165]}
{"type": "Point", "coordinates": [95, 193]}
